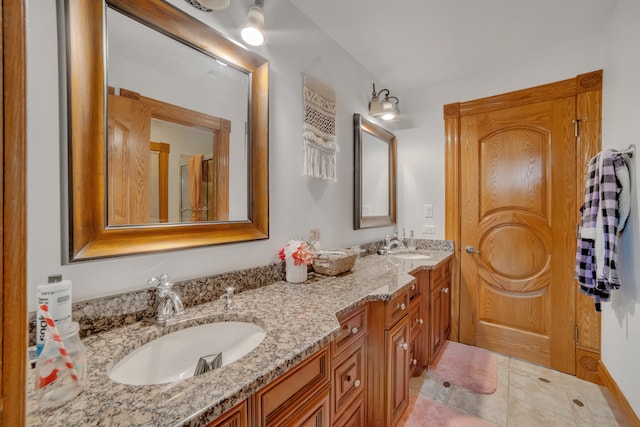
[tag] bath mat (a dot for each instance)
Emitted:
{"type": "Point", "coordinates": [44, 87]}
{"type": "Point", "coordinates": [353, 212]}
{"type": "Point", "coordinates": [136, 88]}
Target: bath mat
{"type": "Point", "coordinates": [423, 411]}
{"type": "Point", "coordinates": [470, 367]}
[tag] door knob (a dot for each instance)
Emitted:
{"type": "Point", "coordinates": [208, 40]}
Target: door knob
{"type": "Point", "coordinates": [471, 250]}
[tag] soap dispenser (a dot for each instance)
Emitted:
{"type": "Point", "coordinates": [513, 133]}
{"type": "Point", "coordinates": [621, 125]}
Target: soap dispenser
{"type": "Point", "coordinates": [411, 242]}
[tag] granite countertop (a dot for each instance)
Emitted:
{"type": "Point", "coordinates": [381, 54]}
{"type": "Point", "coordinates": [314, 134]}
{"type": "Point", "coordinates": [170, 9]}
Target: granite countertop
{"type": "Point", "coordinates": [299, 320]}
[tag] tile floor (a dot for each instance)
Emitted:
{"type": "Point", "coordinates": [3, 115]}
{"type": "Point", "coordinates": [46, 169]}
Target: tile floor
{"type": "Point", "coordinates": [528, 396]}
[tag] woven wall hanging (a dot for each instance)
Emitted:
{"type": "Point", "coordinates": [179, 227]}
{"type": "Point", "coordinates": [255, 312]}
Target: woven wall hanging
{"type": "Point", "coordinates": [319, 134]}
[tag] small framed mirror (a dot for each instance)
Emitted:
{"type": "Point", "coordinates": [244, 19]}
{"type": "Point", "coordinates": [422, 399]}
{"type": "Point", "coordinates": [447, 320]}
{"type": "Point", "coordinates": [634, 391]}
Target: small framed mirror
{"type": "Point", "coordinates": [166, 131]}
{"type": "Point", "coordinates": [374, 174]}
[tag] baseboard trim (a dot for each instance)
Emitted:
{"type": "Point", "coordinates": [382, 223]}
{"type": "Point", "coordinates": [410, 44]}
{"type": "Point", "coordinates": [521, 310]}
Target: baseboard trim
{"type": "Point", "coordinates": [630, 417]}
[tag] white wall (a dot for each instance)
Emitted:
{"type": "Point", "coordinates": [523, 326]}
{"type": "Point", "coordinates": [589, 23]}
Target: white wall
{"type": "Point", "coordinates": [621, 109]}
{"type": "Point", "coordinates": [297, 203]}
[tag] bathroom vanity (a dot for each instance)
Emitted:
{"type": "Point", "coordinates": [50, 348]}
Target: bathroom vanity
{"type": "Point", "coordinates": [338, 351]}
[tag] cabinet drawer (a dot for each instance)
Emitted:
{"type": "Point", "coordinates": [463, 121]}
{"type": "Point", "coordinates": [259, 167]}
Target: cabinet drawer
{"type": "Point", "coordinates": [353, 326]}
{"type": "Point", "coordinates": [414, 291]}
{"type": "Point", "coordinates": [349, 377]}
{"type": "Point", "coordinates": [285, 394]}
{"type": "Point", "coordinates": [354, 416]}
{"type": "Point", "coordinates": [313, 413]}
{"type": "Point", "coordinates": [439, 275]}
{"type": "Point", "coordinates": [396, 308]}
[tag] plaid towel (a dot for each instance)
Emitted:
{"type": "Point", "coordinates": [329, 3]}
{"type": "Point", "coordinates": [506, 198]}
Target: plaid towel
{"type": "Point", "coordinates": [585, 253]}
{"type": "Point", "coordinates": [600, 224]}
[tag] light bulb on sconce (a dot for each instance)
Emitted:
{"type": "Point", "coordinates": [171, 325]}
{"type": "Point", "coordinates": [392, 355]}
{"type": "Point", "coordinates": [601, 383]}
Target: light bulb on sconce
{"type": "Point", "coordinates": [253, 32]}
{"type": "Point", "coordinates": [385, 108]}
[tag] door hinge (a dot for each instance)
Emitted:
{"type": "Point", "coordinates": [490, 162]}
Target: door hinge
{"type": "Point", "coordinates": [576, 332]}
{"type": "Point", "coordinates": [576, 126]}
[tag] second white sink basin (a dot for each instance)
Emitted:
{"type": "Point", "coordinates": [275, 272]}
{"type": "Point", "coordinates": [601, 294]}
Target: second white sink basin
{"type": "Point", "coordinates": [174, 356]}
{"type": "Point", "coordinates": [412, 256]}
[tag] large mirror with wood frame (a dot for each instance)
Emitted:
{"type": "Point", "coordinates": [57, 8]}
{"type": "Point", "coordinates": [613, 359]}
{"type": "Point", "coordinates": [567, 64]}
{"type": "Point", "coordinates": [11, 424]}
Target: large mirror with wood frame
{"type": "Point", "coordinates": [374, 174]}
{"type": "Point", "coordinates": [166, 131]}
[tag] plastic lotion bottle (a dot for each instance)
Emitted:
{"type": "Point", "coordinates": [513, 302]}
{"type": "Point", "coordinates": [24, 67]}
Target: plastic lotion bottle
{"type": "Point", "coordinates": [56, 293]}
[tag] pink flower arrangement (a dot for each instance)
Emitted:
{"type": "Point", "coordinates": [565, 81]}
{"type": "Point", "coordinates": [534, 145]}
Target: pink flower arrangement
{"type": "Point", "coordinates": [297, 250]}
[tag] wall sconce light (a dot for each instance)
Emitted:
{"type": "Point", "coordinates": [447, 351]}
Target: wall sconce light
{"type": "Point", "coordinates": [385, 108]}
{"type": "Point", "coordinates": [209, 5]}
{"type": "Point", "coordinates": [253, 31]}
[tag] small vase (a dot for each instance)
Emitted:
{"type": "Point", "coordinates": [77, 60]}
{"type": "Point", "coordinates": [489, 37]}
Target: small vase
{"type": "Point", "coordinates": [296, 273]}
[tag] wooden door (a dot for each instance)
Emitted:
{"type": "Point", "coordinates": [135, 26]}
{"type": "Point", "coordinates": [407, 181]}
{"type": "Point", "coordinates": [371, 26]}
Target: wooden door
{"type": "Point", "coordinates": [128, 162]}
{"type": "Point", "coordinates": [518, 186]}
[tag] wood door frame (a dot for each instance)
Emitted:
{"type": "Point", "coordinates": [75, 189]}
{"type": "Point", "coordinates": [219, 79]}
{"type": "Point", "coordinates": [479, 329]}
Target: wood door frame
{"type": "Point", "coordinates": [587, 88]}
{"type": "Point", "coordinates": [13, 323]}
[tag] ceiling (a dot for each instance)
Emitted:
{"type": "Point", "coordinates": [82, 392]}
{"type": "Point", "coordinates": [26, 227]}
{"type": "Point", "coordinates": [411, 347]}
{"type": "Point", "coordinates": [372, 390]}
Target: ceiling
{"type": "Point", "coordinates": [407, 44]}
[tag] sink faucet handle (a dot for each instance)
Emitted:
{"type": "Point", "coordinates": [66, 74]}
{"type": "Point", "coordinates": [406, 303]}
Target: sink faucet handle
{"type": "Point", "coordinates": [153, 281]}
{"type": "Point", "coordinates": [165, 281]}
{"type": "Point", "coordinates": [228, 297]}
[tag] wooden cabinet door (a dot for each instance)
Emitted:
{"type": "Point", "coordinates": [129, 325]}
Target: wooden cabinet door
{"type": "Point", "coordinates": [234, 417]}
{"type": "Point", "coordinates": [313, 413]}
{"type": "Point", "coordinates": [435, 323]}
{"type": "Point", "coordinates": [397, 371]}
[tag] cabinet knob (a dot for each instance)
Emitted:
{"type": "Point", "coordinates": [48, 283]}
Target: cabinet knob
{"type": "Point", "coordinates": [413, 287]}
{"type": "Point", "coordinates": [414, 362]}
{"type": "Point", "coordinates": [402, 306]}
{"type": "Point", "coordinates": [404, 346]}
{"type": "Point", "coordinates": [354, 330]}
{"type": "Point", "coordinates": [420, 321]}
{"type": "Point", "coordinates": [445, 290]}
{"type": "Point", "coordinates": [356, 383]}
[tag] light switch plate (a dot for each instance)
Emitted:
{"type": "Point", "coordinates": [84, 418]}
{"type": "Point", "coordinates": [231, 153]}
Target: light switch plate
{"type": "Point", "coordinates": [428, 229]}
{"type": "Point", "coordinates": [428, 211]}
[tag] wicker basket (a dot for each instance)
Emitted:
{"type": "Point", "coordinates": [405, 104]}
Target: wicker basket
{"type": "Point", "coordinates": [331, 263]}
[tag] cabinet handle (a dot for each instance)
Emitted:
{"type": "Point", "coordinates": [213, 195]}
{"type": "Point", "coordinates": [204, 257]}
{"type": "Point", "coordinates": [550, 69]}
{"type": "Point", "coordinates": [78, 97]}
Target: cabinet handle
{"type": "Point", "coordinates": [445, 290]}
{"type": "Point", "coordinates": [404, 346]}
{"type": "Point", "coordinates": [420, 321]}
{"type": "Point", "coordinates": [414, 362]}
{"type": "Point", "coordinates": [402, 306]}
{"type": "Point", "coordinates": [413, 287]}
{"type": "Point", "coordinates": [356, 383]}
{"type": "Point", "coordinates": [354, 330]}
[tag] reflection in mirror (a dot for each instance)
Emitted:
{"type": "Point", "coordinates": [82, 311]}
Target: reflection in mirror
{"type": "Point", "coordinates": [163, 91]}
{"type": "Point", "coordinates": [374, 175]}
{"type": "Point", "coordinates": [167, 131]}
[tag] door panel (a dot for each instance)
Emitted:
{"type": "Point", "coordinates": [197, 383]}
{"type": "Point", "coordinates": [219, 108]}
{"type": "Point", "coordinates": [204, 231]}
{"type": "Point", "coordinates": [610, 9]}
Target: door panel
{"type": "Point", "coordinates": [518, 199]}
{"type": "Point", "coordinates": [128, 162]}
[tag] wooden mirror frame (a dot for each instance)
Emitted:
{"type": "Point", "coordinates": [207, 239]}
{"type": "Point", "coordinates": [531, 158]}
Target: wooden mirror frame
{"type": "Point", "coordinates": [89, 236]}
{"type": "Point", "coordinates": [361, 124]}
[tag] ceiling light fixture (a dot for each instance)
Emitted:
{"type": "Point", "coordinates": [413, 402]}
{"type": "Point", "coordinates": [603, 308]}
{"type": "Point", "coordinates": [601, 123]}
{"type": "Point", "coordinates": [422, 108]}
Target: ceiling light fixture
{"type": "Point", "coordinates": [385, 108]}
{"type": "Point", "coordinates": [253, 31]}
{"type": "Point", "coordinates": [209, 5]}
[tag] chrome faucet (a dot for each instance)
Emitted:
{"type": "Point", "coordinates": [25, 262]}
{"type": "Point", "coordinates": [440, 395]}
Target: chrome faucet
{"type": "Point", "coordinates": [389, 244]}
{"type": "Point", "coordinates": [229, 303]}
{"type": "Point", "coordinates": [169, 302]}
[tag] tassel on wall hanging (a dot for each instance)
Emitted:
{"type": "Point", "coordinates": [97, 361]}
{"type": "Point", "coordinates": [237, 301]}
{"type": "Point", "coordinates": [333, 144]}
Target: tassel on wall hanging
{"type": "Point", "coordinates": [319, 134]}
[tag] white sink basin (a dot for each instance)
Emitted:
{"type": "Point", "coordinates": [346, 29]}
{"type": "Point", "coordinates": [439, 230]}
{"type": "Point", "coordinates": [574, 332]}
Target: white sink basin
{"type": "Point", "coordinates": [412, 256]}
{"type": "Point", "coordinates": [174, 356]}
